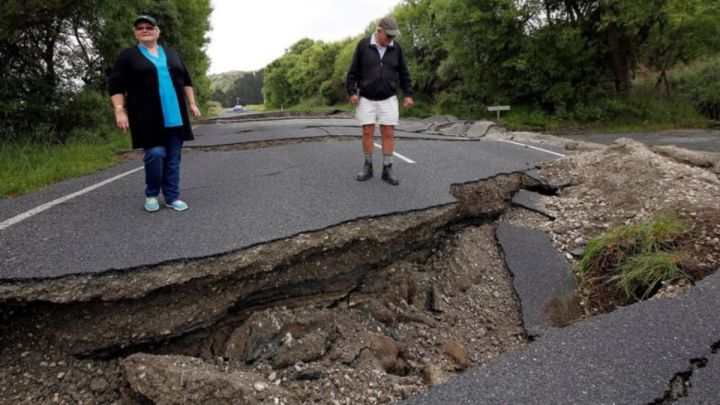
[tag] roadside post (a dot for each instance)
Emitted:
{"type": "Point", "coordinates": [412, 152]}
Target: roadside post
{"type": "Point", "coordinates": [499, 108]}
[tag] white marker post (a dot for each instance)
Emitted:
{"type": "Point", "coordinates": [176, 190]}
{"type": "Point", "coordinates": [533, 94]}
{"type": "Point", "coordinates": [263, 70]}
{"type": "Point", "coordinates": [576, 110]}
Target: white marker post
{"type": "Point", "coordinates": [499, 108]}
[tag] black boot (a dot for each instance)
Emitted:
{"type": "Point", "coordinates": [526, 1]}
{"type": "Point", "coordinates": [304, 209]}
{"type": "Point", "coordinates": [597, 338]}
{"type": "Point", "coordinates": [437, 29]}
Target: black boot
{"type": "Point", "coordinates": [366, 173]}
{"type": "Point", "coordinates": [388, 176]}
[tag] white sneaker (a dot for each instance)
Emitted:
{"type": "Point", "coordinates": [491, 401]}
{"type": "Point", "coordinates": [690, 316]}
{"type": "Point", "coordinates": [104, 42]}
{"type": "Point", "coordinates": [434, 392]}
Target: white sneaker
{"type": "Point", "coordinates": [178, 205]}
{"type": "Point", "coordinates": [151, 204]}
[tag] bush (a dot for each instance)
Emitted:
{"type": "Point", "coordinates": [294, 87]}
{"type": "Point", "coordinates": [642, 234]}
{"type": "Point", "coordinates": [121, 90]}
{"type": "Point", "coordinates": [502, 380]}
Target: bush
{"type": "Point", "coordinates": [463, 107]}
{"type": "Point", "coordinates": [647, 107]}
{"type": "Point", "coordinates": [420, 109]}
{"type": "Point", "coordinates": [88, 109]}
{"type": "Point", "coordinates": [214, 108]}
{"type": "Point", "coordinates": [330, 92]}
{"type": "Point", "coordinates": [702, 90]}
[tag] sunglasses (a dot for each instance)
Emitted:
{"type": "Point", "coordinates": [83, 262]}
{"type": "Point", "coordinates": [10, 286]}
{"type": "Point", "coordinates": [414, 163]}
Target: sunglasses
{"type": "Point", "coordinates": [145, 28]}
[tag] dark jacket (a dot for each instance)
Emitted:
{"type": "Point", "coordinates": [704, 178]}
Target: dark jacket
{"type": "Point", "coordinates": [136, 77]}
{"type": "Point", "coordinates": [377, 79]}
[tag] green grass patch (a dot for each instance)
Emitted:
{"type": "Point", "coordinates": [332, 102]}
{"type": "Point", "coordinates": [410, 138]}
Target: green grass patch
{"type": "Point", "coordinates": [628, 263]}
{"type": "Point", "coordinates": [30, 166]}
{"type": "Point", "coordinates": [639, 276]}
{"type": "Point", "coordinates": [255, 107]}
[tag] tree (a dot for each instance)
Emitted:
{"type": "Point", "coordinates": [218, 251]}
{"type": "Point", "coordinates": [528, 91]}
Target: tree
{"type": "Point", "coordinates": [54, 55]}
{"type": "Point", "coordinates": [242, 87]}
{"type": "Point", "coordinates": [687, 31]}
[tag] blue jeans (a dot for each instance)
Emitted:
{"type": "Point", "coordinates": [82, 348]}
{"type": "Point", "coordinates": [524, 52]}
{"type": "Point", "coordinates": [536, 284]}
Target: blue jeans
{"type": "Point", "coordinates": [162, 166]}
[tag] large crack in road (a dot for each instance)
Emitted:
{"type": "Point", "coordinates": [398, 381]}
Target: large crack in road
{"type": "Point", "coordinates": [416, 296]}
{"type": "Point", "coordinates": [372, 310]}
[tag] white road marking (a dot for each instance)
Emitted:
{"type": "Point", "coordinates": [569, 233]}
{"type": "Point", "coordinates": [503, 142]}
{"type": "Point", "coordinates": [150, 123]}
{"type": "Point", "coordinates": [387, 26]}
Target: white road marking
{"type": "Point", "coordinates": [533, 147]}
{"type": "Point", "coordinates": [14, 220]}
{"type": "Point", "coordinates": [25, 215]}
{"type": "Point", "coordinates": [397, 154]}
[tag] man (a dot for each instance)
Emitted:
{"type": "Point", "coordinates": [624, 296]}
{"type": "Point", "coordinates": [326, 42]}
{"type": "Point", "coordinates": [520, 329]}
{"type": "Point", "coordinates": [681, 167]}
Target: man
{"type": "Point", "coordinates": [372, 81]}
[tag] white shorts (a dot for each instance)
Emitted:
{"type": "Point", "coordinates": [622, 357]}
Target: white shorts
{"type": "Point", "coordinates": [383, 112]}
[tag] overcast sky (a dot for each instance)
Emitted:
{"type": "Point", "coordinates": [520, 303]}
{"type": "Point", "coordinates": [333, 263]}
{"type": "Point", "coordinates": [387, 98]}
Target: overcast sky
{"type": "Point", "coordinates": [247, 35]}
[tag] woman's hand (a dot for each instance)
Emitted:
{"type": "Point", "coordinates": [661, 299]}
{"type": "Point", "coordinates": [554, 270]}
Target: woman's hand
{"type": "Point", "coordinates": [121, 120]}
{"type": "Point", "coordinates": [195, 111]}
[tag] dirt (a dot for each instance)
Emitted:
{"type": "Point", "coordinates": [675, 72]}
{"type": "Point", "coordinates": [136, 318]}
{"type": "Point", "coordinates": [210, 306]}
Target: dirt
{"type": "Point", "coordinates": [415, 323]}
{"type": "Point", "coordinates": [372, 311]}
{"type": "Point", "coordinates": [629, 183]}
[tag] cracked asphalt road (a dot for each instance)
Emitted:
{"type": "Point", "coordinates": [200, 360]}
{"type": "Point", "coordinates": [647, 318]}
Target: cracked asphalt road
{"type": "Point", "coordinates": [237, 199]}
{"type": "Point", "coordinates": [626, 357]}
{"type": "Point", "coordinates": [245, 197]}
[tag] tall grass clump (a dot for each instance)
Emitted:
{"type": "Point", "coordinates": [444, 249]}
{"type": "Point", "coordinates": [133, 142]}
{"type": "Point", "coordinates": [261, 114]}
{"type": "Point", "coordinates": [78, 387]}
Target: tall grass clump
{"type": "Point", "coordinates": [628, 263]}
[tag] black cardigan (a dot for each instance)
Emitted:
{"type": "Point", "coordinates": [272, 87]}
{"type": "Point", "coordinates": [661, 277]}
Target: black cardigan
{"type": "Point", "coordinates": [375, 78]}
{"type": "Point", "coordinates": [136, 77]}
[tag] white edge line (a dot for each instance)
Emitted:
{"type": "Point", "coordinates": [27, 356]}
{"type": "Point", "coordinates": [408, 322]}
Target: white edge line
{"type": "Point", "coordinates": [14, 220]}
{"type": "Point", "coordinates": [397, 154]}
{"type": "Point", "coordinates": [533, 147]}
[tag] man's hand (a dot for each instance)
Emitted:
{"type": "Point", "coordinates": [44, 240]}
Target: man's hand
{"type": "Point", "coordinates": [121, 120]}
{"type": "Point", "coordinates": [353, 99]}
{"type": "Point", "coordinates": [408, 102]}
{"type": "Point", "coordinates": [195, 111]}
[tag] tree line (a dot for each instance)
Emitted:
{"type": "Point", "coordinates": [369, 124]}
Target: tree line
{"type": "Point", "coordinates": [55, 56]}
{"type": "Point", "coordinates": [566, 57]}
{"type": "Point", "coordinates": [231, 88]}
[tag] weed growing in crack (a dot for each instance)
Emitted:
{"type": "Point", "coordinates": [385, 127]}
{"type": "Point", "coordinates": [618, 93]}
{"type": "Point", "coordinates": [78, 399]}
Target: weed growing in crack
{"type": "Point", "coordinates": [630, 262]}
{"type": "Point", "coordinates": [641, 275]}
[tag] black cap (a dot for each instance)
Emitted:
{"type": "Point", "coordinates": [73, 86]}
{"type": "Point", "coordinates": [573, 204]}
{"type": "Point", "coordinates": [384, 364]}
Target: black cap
{"type": "Point", "coordinates": [145, 18]}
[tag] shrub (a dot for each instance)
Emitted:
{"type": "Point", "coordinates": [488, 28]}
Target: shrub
{"type": "Point", "coordinates": [628, 263]}
{"type": "Point", "coordinates": [330, 92]}
{"type": "Point", "coordinates": [88, 109]}
{"type": "Point", "coordinates": [702, 90]}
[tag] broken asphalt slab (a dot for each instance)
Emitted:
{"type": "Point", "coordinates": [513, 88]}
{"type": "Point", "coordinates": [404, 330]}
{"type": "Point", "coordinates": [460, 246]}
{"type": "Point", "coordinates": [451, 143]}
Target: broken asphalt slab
{"type": "Point", "coordinates": [239, 199]}
{"type": "Point", "coordinates": [539, 272]}
{"type": "Point", "coordinates": [289, 129]}
{"type": "Point", "coordinates": [629, 356]}
{"type": "Point", "coordinates": [532, 201]}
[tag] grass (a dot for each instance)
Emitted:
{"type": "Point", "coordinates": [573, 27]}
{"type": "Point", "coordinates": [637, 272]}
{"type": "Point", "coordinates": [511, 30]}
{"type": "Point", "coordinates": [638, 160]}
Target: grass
{"type": "Point", "coordinates": [628, 263]}
{"type": "Point", "coordinates": [639, 276]}
{"type": "Point", "coordinates": [31, 166]}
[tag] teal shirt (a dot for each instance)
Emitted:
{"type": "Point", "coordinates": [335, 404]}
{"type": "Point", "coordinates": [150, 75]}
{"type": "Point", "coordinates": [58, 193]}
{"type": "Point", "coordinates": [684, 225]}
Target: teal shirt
{"type": "Point", "coordinates": [168, 97]}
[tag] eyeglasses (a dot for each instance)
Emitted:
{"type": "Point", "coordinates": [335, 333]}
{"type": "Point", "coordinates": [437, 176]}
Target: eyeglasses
{"type": "Point", "coordinates": [145, 28]}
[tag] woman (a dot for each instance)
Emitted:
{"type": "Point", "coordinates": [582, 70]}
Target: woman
{"type": "Point", "coordinates": [148, 88]}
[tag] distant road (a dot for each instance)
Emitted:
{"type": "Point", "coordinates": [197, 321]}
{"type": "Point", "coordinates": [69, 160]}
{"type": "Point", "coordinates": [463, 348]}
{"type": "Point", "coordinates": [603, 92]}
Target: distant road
{"type": "Point", "coordinates": [694, 139]}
